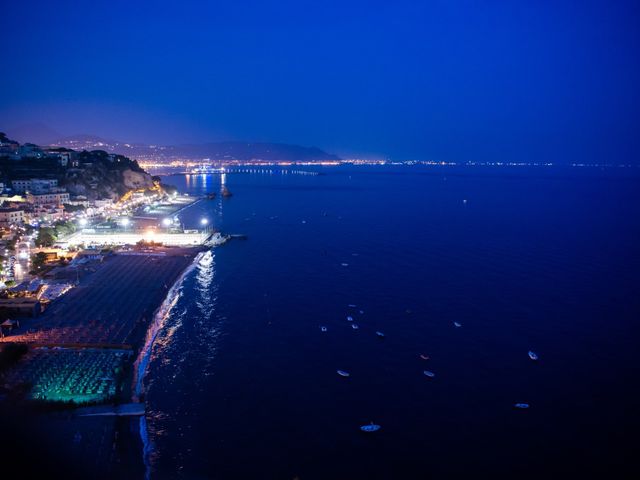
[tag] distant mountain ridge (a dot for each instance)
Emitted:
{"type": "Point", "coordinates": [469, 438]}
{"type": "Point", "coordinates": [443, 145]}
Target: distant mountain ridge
{"type": "Point", "coordinates": [241, 151]}
{"type": "Point", "coordinates": [36, 132]}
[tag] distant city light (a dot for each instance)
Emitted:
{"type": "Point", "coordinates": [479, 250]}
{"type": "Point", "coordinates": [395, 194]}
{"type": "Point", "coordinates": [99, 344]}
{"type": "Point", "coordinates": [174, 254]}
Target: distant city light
{"type": "Point", "coordinates": [125, 222]}
{"type": "Point", "coordinates": [166, 222]}
{"type": "Point", "coordinates": [83, 222]}
{"type": "Point", "coordinates": [204, 221]}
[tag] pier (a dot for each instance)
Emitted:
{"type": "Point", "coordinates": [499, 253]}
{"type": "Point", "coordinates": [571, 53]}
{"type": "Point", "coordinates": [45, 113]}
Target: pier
{"type": "Point", "coordinates": [123, 410]}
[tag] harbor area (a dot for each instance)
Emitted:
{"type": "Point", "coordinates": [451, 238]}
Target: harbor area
{"type": "Point", "coordinates": [150, 235]}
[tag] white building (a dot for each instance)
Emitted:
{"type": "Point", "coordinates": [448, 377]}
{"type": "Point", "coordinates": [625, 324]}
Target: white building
{"type": "Point", "coordinates": [11, 216]}
{"type": "Point", "coordinates": [92, 237]}
{"type": "Point", "coordinates": [63, 158]}
{"type": "Point", "coordinates": [20, 186]}
{"type": "Point", "coordinates": [35, 185]}
{"type": "Point", "coordinates": [49, 213]}
{"type": "Point", "coordinates": [39, 199]}
{"type": "Point", "coordinates": [39, 185]}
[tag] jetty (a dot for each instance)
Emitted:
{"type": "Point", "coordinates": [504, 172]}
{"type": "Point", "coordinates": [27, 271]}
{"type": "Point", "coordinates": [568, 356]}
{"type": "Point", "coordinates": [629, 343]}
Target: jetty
{"type": "Point", "coordinates": [124, 410]}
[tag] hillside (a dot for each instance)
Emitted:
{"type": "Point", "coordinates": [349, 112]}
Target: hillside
{"type": "Point", "coordinates": [240, 151]}
{"type": "Point", "coordinates": [94, 174]}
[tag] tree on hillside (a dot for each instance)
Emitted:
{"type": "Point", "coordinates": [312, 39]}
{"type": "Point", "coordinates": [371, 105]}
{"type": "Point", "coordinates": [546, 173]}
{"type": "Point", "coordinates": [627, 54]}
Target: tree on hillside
{"type": "Point", "coordinates": [62, 229]}
{"type": "Point", "coordinates": [73, 208]}
{"type": "Point", "coordinates": [38, 260]}
{"type": "Point", "coordinates": [46, 237]}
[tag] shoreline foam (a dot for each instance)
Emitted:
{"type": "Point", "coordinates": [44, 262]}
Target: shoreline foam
{"type": "Point", "coordinates": [141, 363]}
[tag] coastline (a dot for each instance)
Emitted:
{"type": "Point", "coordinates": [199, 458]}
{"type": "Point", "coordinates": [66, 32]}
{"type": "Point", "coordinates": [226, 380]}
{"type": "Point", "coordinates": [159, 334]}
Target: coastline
{"type": "Point", "coordinates": [159, 316]}
{"type": "Point", "coordinates": [140, 366]}
{"type": "Point", "coordinates": [108, 309]}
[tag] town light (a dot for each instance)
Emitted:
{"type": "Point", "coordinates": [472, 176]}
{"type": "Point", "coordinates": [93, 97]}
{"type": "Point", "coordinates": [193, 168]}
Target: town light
{"type": "Point", "coordinates": [204, 221]}
{"type": "Point", "coordinates": [83, 222]}
{"type": "Point", "coordinates": [124, 222]}
{"type": "Point", "coordinates": [166, 222]}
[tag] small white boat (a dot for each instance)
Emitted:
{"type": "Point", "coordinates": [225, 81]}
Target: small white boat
{"type": "Point", "coordinates": [424, 357]}
{"type": "Point", "coordinates": [429, 373]}
{"type": "Point", "coordinates": [361, 312]}
{"type": "Point", "coordinates": [349, 318]}
{"type": "Point", "coordinates": [354, 326]}
{"type": "Point", "coordinates": [533, 355]}
{"type": "Point", "coordinates": [323, 329]}
{"type": "Point", "coordinates": [351, 305]}
{"type": "Point", "coordinates": [457, 325]}
{"type": "Point", "coordinates": [521, 405]}
{"type": "Point", "coordinates": [380, 334]}
{"type": "Point", "coordinates": [344, 264]}
{"type": "Point", "coordinates": [372, 427]}
{"type": "Point", "coordinates": [342, 373]}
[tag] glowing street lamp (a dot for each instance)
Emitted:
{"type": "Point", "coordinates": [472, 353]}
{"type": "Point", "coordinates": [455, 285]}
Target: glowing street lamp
{"type": "Point", "coordinates": [166, 222]}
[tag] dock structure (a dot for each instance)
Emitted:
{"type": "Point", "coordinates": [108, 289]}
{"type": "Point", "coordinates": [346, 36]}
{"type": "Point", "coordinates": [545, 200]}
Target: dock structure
{"type": "Point", "coordinates": [123, 410]}
{"type": "Point", "coordinates": [171, 239]}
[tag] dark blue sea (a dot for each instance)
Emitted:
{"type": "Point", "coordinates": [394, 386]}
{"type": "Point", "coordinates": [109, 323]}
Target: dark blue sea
{"type": "Point", "coordinates": [242, 383]}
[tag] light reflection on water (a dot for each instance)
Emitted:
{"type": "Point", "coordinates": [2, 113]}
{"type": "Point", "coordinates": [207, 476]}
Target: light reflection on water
{"type": "Point", "coordinates": [170, 361]}
{"type": "Point", "coordinates": [528, 262]}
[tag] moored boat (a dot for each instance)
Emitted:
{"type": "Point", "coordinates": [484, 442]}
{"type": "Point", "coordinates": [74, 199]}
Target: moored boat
{"type": "Point", "coordinates": [372, 427]}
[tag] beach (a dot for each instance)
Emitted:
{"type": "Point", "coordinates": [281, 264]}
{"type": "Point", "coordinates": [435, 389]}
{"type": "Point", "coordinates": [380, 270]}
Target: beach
{"type": "Point", "coordinates": [82, 350]}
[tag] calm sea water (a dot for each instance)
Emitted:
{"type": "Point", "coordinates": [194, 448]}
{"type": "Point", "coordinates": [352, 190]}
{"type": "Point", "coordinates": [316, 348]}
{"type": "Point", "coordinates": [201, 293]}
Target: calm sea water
{"type": "Point", "coordinates": [243, 384]}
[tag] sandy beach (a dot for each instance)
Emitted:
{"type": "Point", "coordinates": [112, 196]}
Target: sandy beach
{"type": "Point", "coordinates": [82, 350]}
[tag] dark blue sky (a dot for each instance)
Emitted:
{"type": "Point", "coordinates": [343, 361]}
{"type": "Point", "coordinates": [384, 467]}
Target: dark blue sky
{"type": "Point", "coordinates": [444, 80]}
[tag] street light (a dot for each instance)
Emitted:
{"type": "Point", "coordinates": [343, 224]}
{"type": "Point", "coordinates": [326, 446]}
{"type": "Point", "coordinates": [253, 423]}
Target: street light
{"type": "Point", "coordinates": [125, 223]}
{"type": "Point", "coordinates": [83, 222]}
{"type": "Point", "coordinates": [166, 222]}
{"type": "Point", "coordinates": [204, 221]}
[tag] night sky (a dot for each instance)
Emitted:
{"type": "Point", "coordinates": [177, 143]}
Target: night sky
{"type": "Point", "coordinates": [445, 80]}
